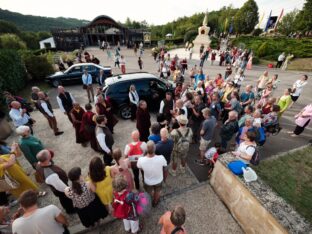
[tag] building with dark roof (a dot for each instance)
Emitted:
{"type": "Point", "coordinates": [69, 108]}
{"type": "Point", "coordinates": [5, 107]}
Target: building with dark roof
{"type": "Point", "coordinates": [102, 28]}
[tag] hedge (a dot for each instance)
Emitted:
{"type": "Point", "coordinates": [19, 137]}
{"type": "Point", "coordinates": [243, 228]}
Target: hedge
{"type": "Point", "coordinates": [271, 48]}
{"type": "Point", "coordinates": [13, 73]}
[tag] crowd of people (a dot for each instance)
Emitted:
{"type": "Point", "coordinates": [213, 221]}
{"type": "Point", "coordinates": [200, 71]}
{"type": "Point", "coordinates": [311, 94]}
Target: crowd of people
{"type": "Point", "coordinates": [199, 111]}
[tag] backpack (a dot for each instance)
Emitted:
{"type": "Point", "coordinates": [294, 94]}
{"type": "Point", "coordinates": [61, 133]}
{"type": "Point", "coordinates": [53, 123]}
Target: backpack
{"type": "Point", "coordinates": [255, 159]}
{"type": "Point", "coordinates": [177, 229]}
{"type": "Point", "coordinates": [260, 135]}
{"type": "Point", "coordinates": [183, 144]}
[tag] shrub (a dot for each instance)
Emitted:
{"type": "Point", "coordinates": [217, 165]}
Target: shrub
{"type": "Point", "coordinates": [257, 32]}
{"type": "Point", "coordinates": [13, 73]}
{"type": "Point", "coordinates": [38, 66]}
{"type": "Point", "coordinates": [12, 41]}
{"type": "Point", "coordinates": [255, 60]}
{"type": "Point", "coordinates": [190, 36]}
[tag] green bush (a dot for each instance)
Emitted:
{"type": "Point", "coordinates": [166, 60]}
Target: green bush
{"type": "Point", "coordinates": [190, 36]}
{"type": "Point", "coordinates": [38, 66]}
{"type": "Point", "coordinates": [13, 73]}
{"type": "Point", "coordinates": [255, 60]}
{"type": "Point", "coordinates": [275, 46]}
{"type": "Point", "coordinates": [12, 41]}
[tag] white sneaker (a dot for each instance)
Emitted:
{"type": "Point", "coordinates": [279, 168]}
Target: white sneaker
{"type": "Point", "coordinates": [172, 172]}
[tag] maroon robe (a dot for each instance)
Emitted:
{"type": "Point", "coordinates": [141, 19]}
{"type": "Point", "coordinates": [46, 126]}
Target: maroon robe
{"type": "Point", "coordinates": [87, 128]}
{"type": "Point", "coordinates": [102, 109]}
{"type": "Point", "coordinates": [143, 123]}
{"type": "Point", "coordinates": [77, 118]}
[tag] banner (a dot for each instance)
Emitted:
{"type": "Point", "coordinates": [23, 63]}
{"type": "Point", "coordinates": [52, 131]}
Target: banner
{"type": "Point", "coordinates": [279, 19]}
{"type": "Point", "coordinates": [147, 37]}
{"type": "Point", "coordinates": [267, 24]}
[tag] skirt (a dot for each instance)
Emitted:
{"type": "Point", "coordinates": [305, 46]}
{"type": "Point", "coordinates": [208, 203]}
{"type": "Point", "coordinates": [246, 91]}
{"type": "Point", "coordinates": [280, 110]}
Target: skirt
{"type": "Point", "coordinates": [92, 213]}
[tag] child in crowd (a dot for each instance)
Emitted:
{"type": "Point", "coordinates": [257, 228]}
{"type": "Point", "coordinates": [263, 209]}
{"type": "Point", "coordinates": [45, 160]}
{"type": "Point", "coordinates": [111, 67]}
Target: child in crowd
{"type": "Point", "coordinates": [271, 118]}
{"type": "Point", "coordinates": [122, 167]}
{"type": "Point", "coordinates": [172, 221]}
{"type": "Point", "coordinates": [124, 205]}
{"type": "Point", "coordinates": [211, 155]}
{"type": "Point", "coordinates": [257, 119]}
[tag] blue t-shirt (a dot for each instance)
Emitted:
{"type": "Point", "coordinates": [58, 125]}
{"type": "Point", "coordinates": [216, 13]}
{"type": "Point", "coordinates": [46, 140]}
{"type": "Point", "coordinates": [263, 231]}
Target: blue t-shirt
{"type": "Point", "coordinates": [165, 148]}
{"type": "Point", "coordinates": [155, 138]}
{"type": "Point", "coordinates": [244, 97]}
{"type": "Point", "coordinates": [198, 77]}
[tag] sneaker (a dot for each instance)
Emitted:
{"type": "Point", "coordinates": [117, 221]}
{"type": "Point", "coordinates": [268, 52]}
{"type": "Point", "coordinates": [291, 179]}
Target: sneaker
{"type": "Point", "coordinates": [58, 133]}
{"type": "Point", "coordinates": [172, 172]}
{"type": "Point", "coordinates": [182, 169]}
{"type": "Point", "coordinates": [200, 162]}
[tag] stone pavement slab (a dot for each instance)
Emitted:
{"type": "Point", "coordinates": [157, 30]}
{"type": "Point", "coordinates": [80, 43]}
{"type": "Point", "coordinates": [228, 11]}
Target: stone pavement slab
{"type": "Point", "coordinates": [205, 214]}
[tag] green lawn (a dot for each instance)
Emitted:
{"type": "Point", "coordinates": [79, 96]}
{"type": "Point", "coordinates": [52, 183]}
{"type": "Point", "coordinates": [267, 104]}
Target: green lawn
{"type": "Point", "coordinates": [290, 176]}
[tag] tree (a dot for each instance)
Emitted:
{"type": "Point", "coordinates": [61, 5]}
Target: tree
{"type": "Point", "coordinates": [12, 41]}
{"type": "Point", "coordinates": [8, 27]}
{"type": "Point", "coordinates": [288, 23]}
{"type": "Point", "coordinates": [246, 18]}
{"type": "Point", "coordinates": [304, 17]}
{"type": "Point", "coordinates": [31, 40]}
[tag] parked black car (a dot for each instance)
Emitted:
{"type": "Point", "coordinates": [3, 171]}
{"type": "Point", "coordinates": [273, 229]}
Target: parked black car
{"type": "Point", "coordinates": [74, 73]}
{"type": "Point", "coordinates": [149, 87]}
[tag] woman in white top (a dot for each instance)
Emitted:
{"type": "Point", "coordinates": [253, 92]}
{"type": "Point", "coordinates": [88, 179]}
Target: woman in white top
{"type": "Point", "coordinates": [297, 88]}
{"type": "Point", "coordinates": [134, 101]}
{"type": "Point", "coordinates": [247, 148]}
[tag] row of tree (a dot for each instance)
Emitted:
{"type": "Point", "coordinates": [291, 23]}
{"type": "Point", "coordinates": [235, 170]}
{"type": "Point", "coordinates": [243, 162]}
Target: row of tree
{"type": "Point", "coordinates": [297, 20]}
{"type": "Point", "coordinates": [238, 21]}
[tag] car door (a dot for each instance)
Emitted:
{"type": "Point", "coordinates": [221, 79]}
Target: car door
{"type": "Point", "coordinates": [94, 72]}
{"type": "Point", "coordinates": [74, 75]}
{"type": "Point", "coordinates": [143, 89]}
{"type": "Point", "coordinates": [118, 93]}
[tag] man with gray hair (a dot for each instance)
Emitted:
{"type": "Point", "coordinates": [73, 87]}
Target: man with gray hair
{"type": "Point", "coordinates": [65, 101]}
{"type": "Point", "coordinates": [164, 147]}
{"type": "Point", "coordinates": [29, 144]}
{"type": "Point", "coordinates": [54, 177]}
{"type": "Point", "coordinates": [152, 165]}
{"type": "Point", "coordinates": [229, 129]}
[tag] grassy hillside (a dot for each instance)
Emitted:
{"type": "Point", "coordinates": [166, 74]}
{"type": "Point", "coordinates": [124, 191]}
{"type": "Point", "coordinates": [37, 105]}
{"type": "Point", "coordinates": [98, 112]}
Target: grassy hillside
{"type": "Point", "coordinates": [38, 23]}
{"type": "Point", "coordinates": [270, 48]}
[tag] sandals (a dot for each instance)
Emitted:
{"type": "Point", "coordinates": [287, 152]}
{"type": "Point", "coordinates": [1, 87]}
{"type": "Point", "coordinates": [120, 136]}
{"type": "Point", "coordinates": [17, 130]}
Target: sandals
{"type": "Point", "coordinates": [42, 194]}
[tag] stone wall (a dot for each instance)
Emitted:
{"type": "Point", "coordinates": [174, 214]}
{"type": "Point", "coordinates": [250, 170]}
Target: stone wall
{"type": "Point", "coordinates": [245, 208]}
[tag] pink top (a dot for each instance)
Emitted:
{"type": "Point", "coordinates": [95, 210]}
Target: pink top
{"type": "Point", "coordinates": [123, 169]}
{"type": "Point", "coordinates": [305, 116]}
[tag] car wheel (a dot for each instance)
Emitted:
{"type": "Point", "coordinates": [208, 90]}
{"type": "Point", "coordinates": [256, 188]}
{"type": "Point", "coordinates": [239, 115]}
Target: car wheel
{"type": "Point", "coordinates": [56, 83]}
{"type": "Point", "coordinates": [125, 112]}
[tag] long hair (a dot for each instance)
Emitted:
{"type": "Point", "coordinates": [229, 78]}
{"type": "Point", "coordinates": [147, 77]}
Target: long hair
{"type": "Point", "coordinates": [74, 176]}
{"type": "Point", "coordinates": [96, 170]}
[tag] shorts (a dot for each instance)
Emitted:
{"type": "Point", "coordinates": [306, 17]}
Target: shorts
{"type": "Point", "coordinates": [203, 144]}
{"type": "Point", "coordinates": [294, 98]}
{"type": "Point", "coordinates": [177, 155]}
{"type": "Point", "coordinates": [153, 188]}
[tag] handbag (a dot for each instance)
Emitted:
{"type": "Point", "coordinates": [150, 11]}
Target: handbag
{"type": "Point", "coordinates": [84, 86]}
{"type": "Point", "coordinates": [8, 183]}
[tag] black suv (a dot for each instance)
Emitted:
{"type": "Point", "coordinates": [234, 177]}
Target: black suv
{"type": "Point", "coordinates": [149, 87]}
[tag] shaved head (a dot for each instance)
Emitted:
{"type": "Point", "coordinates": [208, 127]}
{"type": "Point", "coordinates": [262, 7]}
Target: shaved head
{"type": "Point", "coordinates": [135, 135]}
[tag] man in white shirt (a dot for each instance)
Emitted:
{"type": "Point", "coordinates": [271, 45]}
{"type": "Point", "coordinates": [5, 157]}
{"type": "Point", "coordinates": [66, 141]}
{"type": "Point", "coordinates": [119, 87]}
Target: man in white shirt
{"type": "Point", "coordinates": [104, 138]}
{"type": "Point", "coordinates": [47, 220]}
{"type": "Point", "coordinates": [65, 101]}
{"type": "Point", "coordinates": [135, 150]}
{"type": "Point", "coordinates": [280, 60]}
{"type": "Point", "coordinates": [46, 109]}
{"type": "Point", "coordinates": [87, 85]}
{"type": "Point", "coordinates": [55, 177]}
{"type": "Point", "coordinates": [19, 116]}
{"type": "Point", "coordinates": [298, 88]}
{"type": "Point", "coordinates": [152, 165]}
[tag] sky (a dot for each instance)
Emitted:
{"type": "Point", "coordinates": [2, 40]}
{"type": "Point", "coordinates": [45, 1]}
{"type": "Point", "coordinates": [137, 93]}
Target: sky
{"type": "Point", "coordinates": [154, 12]}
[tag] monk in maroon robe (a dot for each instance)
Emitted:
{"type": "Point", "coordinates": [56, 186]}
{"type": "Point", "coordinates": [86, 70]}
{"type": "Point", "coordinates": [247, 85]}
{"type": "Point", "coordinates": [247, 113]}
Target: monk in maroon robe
{"type": "Point", "coordinates": [143, 123]}
{"type": "Point", "coordinates": [76, 114]}
{"type": "Point", "coordinates": [103, 107]}
{"type": "Point", "coordinates": [87, 128]}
